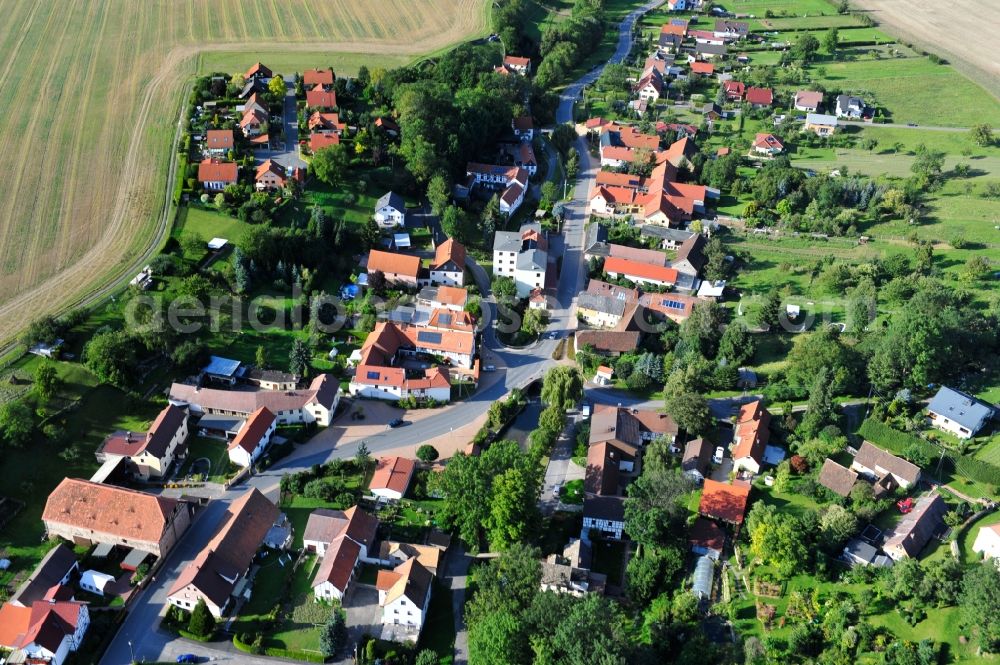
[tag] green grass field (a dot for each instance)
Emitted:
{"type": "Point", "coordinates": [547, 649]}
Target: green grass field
{"type": "Point", "coordinates": [289, 61]}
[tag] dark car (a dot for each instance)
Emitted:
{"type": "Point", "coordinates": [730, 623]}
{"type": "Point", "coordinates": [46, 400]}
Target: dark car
{"type": "Point", "coordinates": [187, 658]}
{"type": "Point", "coordinates": [397, 422]}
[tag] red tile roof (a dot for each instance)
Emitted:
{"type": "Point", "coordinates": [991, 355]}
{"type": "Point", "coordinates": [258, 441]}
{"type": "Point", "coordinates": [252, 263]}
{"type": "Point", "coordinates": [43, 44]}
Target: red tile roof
{"type": "Point", "coordinates": [706, 533]}
{"type": "Point", "coordinates": [219, 139]}
{"type": "Point", "coordinates": [258, 69]}
{"type": "Point", "coordinates": [452, 295]}
{"type": "Point", "coordinates": [318, 97]}
{"type": "Point", "coordinates": [734, 88]}
{"type": "Point", "coordinates": [671, 29]}
{"type": "Point", "coordinates": [523, 123]}
{"type": "Point", "coordinates": [392, 473]}
{"type": "Point", "coordinates": [449, 250]}
{"type": "Point", "coordinates": [250, 436]}
{"type": "Point", "coordinates": [319, 120]}
{"type": "Point", "coordinates": [45, 623]}
{"type": "Point", "coordinates": [156, 441]}
{"type": "Point", "coordinates": [628, 268]}
{"type": "Point", "coordinates": [313, 77]}
{"type": "Point", "coordinates": [705, 68]}
{"type": "Point", "coordinates": [724, 501]}
{"type": "Point", "coordinates": [392, 263]}
{"type": "Point", "coordinates": [752, 432]}
{"type": "Point", "coordinates": [768, 141]}
{"type": "Point", "coordinates": [760, 96]}
{"type": "Point", "coordinates": [516, 61]}
{"type": "Point", "coordinates": [213, 170]}
{"type": "Point", "coordinates": [320, 140]}
{"type": "Point", "coordinates": [108, 509]}
{"type": "Point", "coordinates": [338, 563]}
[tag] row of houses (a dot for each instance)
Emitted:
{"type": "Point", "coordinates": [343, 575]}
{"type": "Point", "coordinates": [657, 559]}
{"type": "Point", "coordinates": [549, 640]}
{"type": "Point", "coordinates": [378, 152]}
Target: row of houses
{"type": "Point", "coordinates": [407, 270]}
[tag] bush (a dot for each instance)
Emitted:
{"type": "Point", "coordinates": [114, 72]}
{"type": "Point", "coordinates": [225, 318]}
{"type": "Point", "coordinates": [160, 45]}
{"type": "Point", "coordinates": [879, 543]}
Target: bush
{"type": "Point", "coordinates": [427, 453]}
{"type": "Point", "coordinates": [202, 623]}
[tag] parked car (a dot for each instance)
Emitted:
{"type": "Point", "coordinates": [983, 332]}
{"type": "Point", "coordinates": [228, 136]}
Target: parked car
{"type": "Point", "coordinates": [490, 368]}
{"type": "Point", "coordinates": [557, 491]}
{"type": "Point", "coordinates": [395, 422]}
{"type": "Point", "coordinates": [187, 658]}
{"type": "Point", "coordinates": [720, 452]}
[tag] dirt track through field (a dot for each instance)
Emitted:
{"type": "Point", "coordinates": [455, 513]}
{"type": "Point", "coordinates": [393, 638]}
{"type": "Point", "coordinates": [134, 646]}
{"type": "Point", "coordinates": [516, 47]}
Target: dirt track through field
{"type": "Point", "coordinates": [965, 32]}
{"type": "Point", "coordinates": [93, 91]}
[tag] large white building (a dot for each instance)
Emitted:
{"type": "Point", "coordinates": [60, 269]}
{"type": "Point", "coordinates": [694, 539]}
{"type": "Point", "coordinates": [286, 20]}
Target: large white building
{"type": "Point", "coordinates": [522, 255]}
{"type": "Point", "coordinates": [511, 181]}
{"type": "Point", "coordinates": [316, 404]}
{"type": "Point", "coordinates": [404, 594]}
{"type": "Point", "coordinates": [957, 413]}
{"type": "Point", "coordinates": [988, 542]}
{"type": "Point", "coordinates": [253, 438]}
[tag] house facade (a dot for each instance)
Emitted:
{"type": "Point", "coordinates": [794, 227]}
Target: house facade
{"type": "Point", "coordinates": [958, 413]}
{"type": "Point", "coordinates": [448, 267]}
{"type": "Point", "coordinates": [523, 256]}
{"type": "Point", "coordinates": [46, 632]}
{"type": "Point", "coordinates": [875, 463]}
{"type": "Point", "coordinates": [149, 454]}
{"type": "Point", "coordinates": [253, 438]}
{"type": "Point", "coordinates": [404, 594]}
{"type": "Point", "coordinates": [315, 404]}
{"type": "Point", "coordinates": [988, 542]}
{"type": "Point", "coordinates": [390, 210]}
{"type": "Point", "coordinates": [820, 124]}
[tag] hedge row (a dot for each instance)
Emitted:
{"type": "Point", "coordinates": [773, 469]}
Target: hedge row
{"type": "Point", "coordinates": [974, 469]}
{"type": "Point", "coordinates": [275, 652]}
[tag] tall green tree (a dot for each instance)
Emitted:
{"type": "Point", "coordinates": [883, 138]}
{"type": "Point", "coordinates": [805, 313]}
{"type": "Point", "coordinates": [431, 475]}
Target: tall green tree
{"type": "Point", "coordinates": [330, 164]}
{"type": "Point", "coordinates": [16, 423]}
{"type": "Point", "coordinates": [980, 603]}
{"type": "Point", "coordinates": [690, 411]}
{"type": "Point", "coordinates": [47, 380]}
{"type": "Point", "coordinates": [438, 194]}
{"type": "Point", "coordinates": [333, 636]}
{"type": "Point", "coordinates": [769, 313]}
{"type": "Point", "coordinates": [562, 387]}
{"type": "Point", "coordinates": [299, 358]}
{"type": "Point", "coordinates": [111, 355]}
{"type": "Point", "coordinates": [820, 410]}
{"type": "Point", "coordinates": [737, 345]}
{"type": "Point", "coordinates": [201, 623]}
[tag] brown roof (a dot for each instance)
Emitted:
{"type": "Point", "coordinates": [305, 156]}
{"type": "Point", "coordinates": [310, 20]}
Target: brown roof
{"type": "Point", "coordinates": [702, 67]}
{"type": "Point", "coordinates": [320, 140]}
{"type": "Point", "coordinates": [322, 120]}
{"type": "Point", "coordinates": [871, 456]}
{"type": "Point", "coordinates": [258, 69]}
{"type": "Point", "coordinates": [752, 432]}
{"type": "Point", "coordinates": [837, 478]}
{"type": "Point", "coordinates": [257, 425]}
{"type": "Point", "coordinates": [724, 501]}
{"type": "Point", "coordinates": [318, 97]}
{"type": "Point", "coordinates": [760, 96]}
{"type": "Point", "coordinates": [213, 170]}
{"type": "Point", "coordinates": [523, 123]}
{"type": "Point", "coordinates": [43, 623]}
{"type": "Point", "coordinates": [409, 578]}
{"type": "Point", "coordinates": [599, 288]}
{"type": "Point", "coordinates": [916, 528]}
{"type": "Point", "coordinates": [810, 98]}
{"type": "Point", "coordinates": [628, 424]}
{"type": "Point", "coordinates": [313, 77]}
{"type": "Point", "coordinates": [612, 341]}
{"type": "Point", "coordinates": [52, 569]}
{"type": "Point", "coordinates": [219, 139]}
{"type": "Point", "coordinates": [451, 295]}
{"type": "Point", "coordinates": [639, 254]}
{"type": "Point", "coordinates": [691, 250]}
{"type": "Point", "coordinates": [428, 555]}
{"type": "Point", "coordinates": [108, 509]}
{"type": "Point", "coordinates": [697, 453]}
{"type": "Point", "coordinates": [155, 442]}
{"type": "Point", "coordinates": [229, 554]}
{"type": "Point", "coordinates": [706, 533]}
{"type": "Point", "coordinates": [516, 61]}
{"type": "Point", "coordinates": [322, 390]}
{"type": "Point", "coordinates": [449, 250]}
{"type": "Point", "coordinates": [325, 526]}
{"type": "Point", "coordinates": [611, 508]}
{"type": "Point", "coordinates": [392, 473]}
{"type": "Point", "coordinates": [392, 263]}
{"type": "Point", "coordinates": [603, 461]}
{"type": "Point", "coordinates": [338, 563]}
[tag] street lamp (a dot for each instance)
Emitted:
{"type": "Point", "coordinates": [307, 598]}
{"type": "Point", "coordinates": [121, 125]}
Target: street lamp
{"type": "Point", "coordinates": [130, 652]}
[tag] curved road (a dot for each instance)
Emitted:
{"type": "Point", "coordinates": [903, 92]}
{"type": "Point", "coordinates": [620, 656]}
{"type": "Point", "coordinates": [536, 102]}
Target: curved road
{"type": "Point", "coordinates": [139, 634]}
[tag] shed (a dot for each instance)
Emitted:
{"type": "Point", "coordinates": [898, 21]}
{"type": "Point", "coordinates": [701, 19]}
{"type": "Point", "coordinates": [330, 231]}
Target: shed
{"type": "Point", "coordinates": [134, 560]}
{"type": "Point", "coordinates": [215, 244]}
{"type": "Point", "coordinates": [704, 572]}
{"type": "Point", "coordinates": [95, 581]}
{"type": "Point", "coordinates": [102, 550]}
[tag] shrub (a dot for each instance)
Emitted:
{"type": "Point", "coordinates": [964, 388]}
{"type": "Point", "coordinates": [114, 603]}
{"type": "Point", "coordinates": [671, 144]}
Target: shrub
{"type": "Point", "coordinates": [427, 453]}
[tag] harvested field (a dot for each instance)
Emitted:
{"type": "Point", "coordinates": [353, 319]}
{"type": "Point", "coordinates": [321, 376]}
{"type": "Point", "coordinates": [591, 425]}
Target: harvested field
{"type": "Point", "coordinates": [966, 33]}
{"type": "Point", "coordinates": [92, 97]}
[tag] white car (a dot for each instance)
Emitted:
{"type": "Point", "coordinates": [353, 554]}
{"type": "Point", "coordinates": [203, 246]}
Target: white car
{"type": "Point", "coordinates": [720, 452]}
{"type": "Point", "coordinates": [557, 490]}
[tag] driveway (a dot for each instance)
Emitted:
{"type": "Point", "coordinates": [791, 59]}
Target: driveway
{"type": "Point", "coordinates": [363, 616]}
{"type": "Point", "coordinates": [561, 469]}
{"type": "Point", "coordinates": [286, 154]}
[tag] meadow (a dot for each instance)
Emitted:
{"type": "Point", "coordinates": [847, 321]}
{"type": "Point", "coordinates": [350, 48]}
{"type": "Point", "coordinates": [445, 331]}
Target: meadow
{"type": "Point", "coordinates": [93, 92]}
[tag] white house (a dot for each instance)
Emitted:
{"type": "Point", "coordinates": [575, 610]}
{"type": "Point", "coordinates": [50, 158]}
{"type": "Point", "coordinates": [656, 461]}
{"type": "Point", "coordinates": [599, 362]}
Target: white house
{"type": "Point", "coordinates": [392, 477]}
{"type": "Point", "coordinates": [522, 255]}
{"type": "Point", "coordinates": [850, 107]}
{"type": "Point", "coordinates": [150, 454]}
{"type": "Point", "coordinates": [95, 581]}
{"type": "Point", "coordinates": [343, 539]}
{"type": "Point", "coordinates": [404, 594]}
{"type": "Point", "coordinates": [511, 180]}
{"type": "Point", "coordinates": [390, 210]}
{"type": "Point", "coordinates": [47, 632]}
{"type": "Point", "coordinates": [988, 542]}
{"type": "Point", "coordinates": [448, 267]}
{"type": "Point", "coordinates": [253, 438]}
{"type": "Point", "coordinates": [958, 413]}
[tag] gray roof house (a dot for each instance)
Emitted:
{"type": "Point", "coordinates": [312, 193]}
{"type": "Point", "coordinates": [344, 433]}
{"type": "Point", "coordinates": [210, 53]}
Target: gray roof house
{"type": "Point", "coordinates": [601, 303]}
{"type": "Point", "coordinates": [850, 107]}
{"type": "Point", "coordinates": [872, 461]}
{"type": "Point", "coordinates": [669, 238]}
{"type": "Point", "coordinates": [958, 413]}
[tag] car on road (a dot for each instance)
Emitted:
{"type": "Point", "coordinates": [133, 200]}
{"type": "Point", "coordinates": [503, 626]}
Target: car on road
{"type": "Point", "coordinates": [553, 335]}
{"type": "Point", "coordinates": [911, 124]}
{"type": "Point", "coordinates": [395, 422]}
{"type": "Point", "coordinates": [187, 658]}
{"type": "Point", "coordinates": [557, 490]}
{"type": "Point", "coordinates": [720, 452]}
{"type": "Point", "coordinates": [490, 368]}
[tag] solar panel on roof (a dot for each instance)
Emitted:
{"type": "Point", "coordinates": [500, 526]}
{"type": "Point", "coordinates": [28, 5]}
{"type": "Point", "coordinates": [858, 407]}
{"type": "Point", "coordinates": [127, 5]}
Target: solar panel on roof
{"type": "Point", "coordinates": [620, 295]}
{"type": "Point", "coordinates": [445, 319]}
{"type": "Point", "coordinates": [374, 375]}
{"type": "Point", "coordinates": [673, 304]}
{"type": "Point", "coordinates": [429, 337]}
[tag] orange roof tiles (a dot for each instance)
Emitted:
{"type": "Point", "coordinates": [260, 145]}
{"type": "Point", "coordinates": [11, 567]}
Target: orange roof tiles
{"type": "Point", "coordinates": [392, 263]}
{"type": "Point", "coordinates": [313, 77]}
{"type": "Point", "coordinates": [724, 501]}
{"type": "Point", "coordinates": [628, 268]}
{"type": "Point", "coordinates": [108, 509]}
{"type": "Point", "coordinates": [752, 432]}
{"type": "Point", "coordinates": [213, 170]}
{"type": "Point", "coordinates": [253, 431]}
{"type": "Point", "coordinates": [392, 473]}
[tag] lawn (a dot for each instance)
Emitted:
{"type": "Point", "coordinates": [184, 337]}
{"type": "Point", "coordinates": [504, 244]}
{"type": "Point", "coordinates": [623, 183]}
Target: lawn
{"type": "Point", "coordinates": [216, 452]}
{"type": "Point", "coordinates": [294, 60]}
{"type": "Point", "coordinates": [207, 223]}
{"type": "Point", "coordinates": [968, 537]}
{"type": "Point", "coordinates": [572, 492]}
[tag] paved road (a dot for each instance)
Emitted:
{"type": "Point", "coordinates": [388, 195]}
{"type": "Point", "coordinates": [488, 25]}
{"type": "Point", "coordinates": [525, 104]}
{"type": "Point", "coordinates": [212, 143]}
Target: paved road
{"type": "Point", "coordinates": [516, 368]}
{"type": "Point", "coordinates": [895, 125]}
{"type": "Point", "coordinates": [561, 468]}
{"type": "Point", "coordinates": [287, 154]}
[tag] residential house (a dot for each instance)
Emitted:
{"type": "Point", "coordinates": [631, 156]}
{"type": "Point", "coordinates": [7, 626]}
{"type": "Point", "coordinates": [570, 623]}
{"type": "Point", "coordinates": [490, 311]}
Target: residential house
{"type": "Point", "coordinates": [399, 269]}
{"type": "Point", "coordinates": [751, 436]}
{"type": "Point", "coordinates": [87, 513]}
{"type": "Point", "coordinates": [674, 306]}
{"type": "Point", "coordinates": [604, 376]}
{"type": "Point", "coordinates": [958, 413]}
{"type": "Point", "coordinates": [392, 553]}
{"type": "Point", "coordinates": [988, 541]}
{"type": "Point", "coordinates": [670, 42]}
{"type": "Point", "coordinates": [511, 181]}
{"type": "Point", "coordinates": [326, 122]}
{"type": "Point", "coordinates": [851, 107]}
{"type": "Point", "coordinates": [759, 97]}
{"type": "Point", "coordinates": [650, 86]}
{"type": "Point", "coordinates": [448, 266]}
{"type": "Point", "coordinates": [517, 64]}
{"type": "Point", "coordinates": [600, 311]}
{"type": "Point", "coordinates": [732, 29]}
{"type": "Point", "coordinates": [678, 5]}
{"type": "Point", "coordinates": [616, 436]}
{"type": "Point", "coordinates": [218, 142]}
{"type": "Point", "coordinates": [734, 90]}
{"type": "Point", "coordinates": [253, 438]}
{"type": "Point", "coordinates": [343, 539]}
{"type": "Point", "coordinates": [607, 342]}
{"type": "Point", "coordinates": [46, 631]}
{"type": "Point", "coordinates": [619, 144]}
{"type": "Point", "coordinates": [690, 257]}
{"type": "Point", "coordinates": [271, 379]}
{"type": "Point", "coordinates": [523, 256]}
{"type": "Point", "coordinates": [53, 571]}
{"type": "Point", "coordinates": [272, 176]}
{"type": "Point", "coordinates": [313, 77]}
{"type": "Point", "coordinates": [258, 72]}
{"type": "Point", "coordinates": [915, 530]}
{"type": "Point", "coordinates": [387, 125]}
{"type": "Point", "coordinates": [149, 454]}
{"type": "Point", "coordinates": [404, 594]}
{"type": "Point", "coordinates": [523, 127]}
{"type": "Point", "coordinates": [837, 478]}
{"type": "Point", "coordinates": [320, 140]}
{"type": "Point", "coordinates": [443, 297]}
{"type": "Point", "coordinates": [218, 572]}
{"type": "Point", "coordinates": [570, 572]}
{"type": "Point", "coordinates": [390, 210]}
{"type": "Point", "coordinates": [392, 478]}
{"type": "Point", "coordinates": [668, 238]}
{"type": "Point", "coordinates": [697, 455]}
{"type": "Point", "coordinates": [253, 121]}
{"type": "Point", "coordinates": [808, 100]}
{"type": "Point", "coordinates": [255, 102]}
{"type": "Point", "coordinates": [603, 515]}
{"type": "Point", "coordinates": [640, 273]}
{"type": "Point", "coordinates": [214, 174]}
{"type": "Point", "coordinates": [707, 538]}
{"type": "Point", "coordinates": [706, 37]}
{"type": "Point", "coordinates": [860, 553]}
{"type": "Point", "coordinates": [724, 502]}
{"type": "Point", "coordinates": [876, 463]}
{"type": "Point", "coordinates": [318, 97]}
{"type": "Point", "coordinates": [701, 68]}
{"type": "Point", "coordinates": [315, 404]}
{"type": "Point", "coordinates": [711, 111]}
{"type": "Point", "coordinates": [710, 51]}
{"type": "Point", "coordinates": [820, 124]}
{"type": "Point", "coordinates": [767, 145]}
